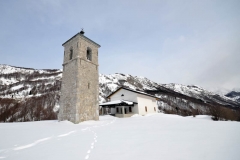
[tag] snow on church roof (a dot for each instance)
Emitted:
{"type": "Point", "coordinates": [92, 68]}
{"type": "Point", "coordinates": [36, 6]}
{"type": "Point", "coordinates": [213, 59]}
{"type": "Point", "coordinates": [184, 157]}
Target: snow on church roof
{"type": "Point", "coordinates": [131, 91]}
{"type": "Point", "coordinates": [117, 102]}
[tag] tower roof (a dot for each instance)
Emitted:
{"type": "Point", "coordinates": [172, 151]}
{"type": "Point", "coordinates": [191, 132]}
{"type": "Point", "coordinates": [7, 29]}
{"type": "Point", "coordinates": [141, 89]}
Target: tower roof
{"type": "Point", "coordinates": [82, 35]}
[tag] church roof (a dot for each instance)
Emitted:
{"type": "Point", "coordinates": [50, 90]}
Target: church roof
{"type": "Point", "coordinates": [118, 103]}
{"type": "Point", "coordinates": [81, 34]}
{"type": "Point", "coordinates": [131, 91]}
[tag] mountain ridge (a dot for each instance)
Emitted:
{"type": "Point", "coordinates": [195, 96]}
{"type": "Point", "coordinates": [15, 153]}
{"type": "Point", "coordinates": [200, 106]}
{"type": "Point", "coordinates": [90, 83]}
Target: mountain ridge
{"type": "Point", "coordinates": [38, 90]}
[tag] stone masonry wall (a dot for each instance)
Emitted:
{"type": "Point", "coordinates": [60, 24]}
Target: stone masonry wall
{"type": "Point", "coordinates": [79, 92]}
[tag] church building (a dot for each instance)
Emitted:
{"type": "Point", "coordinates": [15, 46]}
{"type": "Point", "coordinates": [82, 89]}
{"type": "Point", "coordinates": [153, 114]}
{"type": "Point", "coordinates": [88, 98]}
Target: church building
{"type": "Point", "coordinates": [125, 102]}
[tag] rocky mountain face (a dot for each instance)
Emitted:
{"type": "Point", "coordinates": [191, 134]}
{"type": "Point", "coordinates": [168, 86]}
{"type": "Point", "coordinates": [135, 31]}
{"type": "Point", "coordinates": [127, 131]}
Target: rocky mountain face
{"type": "Point", "coordinates": [28, 95]}
{"type": "Point", "coordinates": [234, 95]}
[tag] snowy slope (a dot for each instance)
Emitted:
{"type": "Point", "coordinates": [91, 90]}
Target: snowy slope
{"type": "Point", "coordinates": [200, 93]}
{"type": "Point", "coordinates": [110, 83]}
{"type": "Point", "coordinates": [151, 137]}
{"type": "Point", "coordinates": [17, 82]}
{"type": "Point", "coordinates": [7, 69]}
{"type": "Point", "coordinates": [27, 94]}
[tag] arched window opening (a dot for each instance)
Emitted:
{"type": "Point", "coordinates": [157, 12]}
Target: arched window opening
{"type": "Point", "coordinates": [89, 54]}
{"type": "Point", "coordinates": [146, 108]}
{"type": "Point", "coordinates": [71, 54]}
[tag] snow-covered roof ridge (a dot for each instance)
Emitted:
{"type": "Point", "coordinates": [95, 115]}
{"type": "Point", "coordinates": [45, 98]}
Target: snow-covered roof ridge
{"type": "Point", "coordinates": [140, 92]}
{"type": "Point", "coordinates": [118, 102]}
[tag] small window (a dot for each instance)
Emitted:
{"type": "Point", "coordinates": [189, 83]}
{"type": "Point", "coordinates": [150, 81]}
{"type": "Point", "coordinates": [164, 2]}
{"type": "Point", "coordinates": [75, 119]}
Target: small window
{"type": "Point", "coordinates": [117, 109]}
{"type": "Point", "coordinates": [154, 109]}
{"type": "Point", "coordinates": [146, 108]}
{"type": "Point", "coordinates": [89, 54]}
{"type": "Point", "coordinates": [88, 85]}
{"type": "Point", "coordinates": [130, 109]}
{"type": "Point", "coordinates": [71, 54]}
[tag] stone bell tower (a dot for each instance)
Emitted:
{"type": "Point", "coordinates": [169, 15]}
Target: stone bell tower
{"type": "Point", "coordinates": [79, 90]}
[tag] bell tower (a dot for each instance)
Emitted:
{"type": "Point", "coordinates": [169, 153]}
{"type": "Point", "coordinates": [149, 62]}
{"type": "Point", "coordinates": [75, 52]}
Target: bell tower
{"type": "Point", "coordinates": [79, 90]}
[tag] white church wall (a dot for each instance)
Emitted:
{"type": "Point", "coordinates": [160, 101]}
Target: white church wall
{"type": "Point", "coordinates": [128, 95]}
{"type": "Point", "coordinates": [154, 103]}
{"type": "Point", "coordinates": [135, 109]}
{"type": "Point", "coordinates": [142, 100]}
{"type": "Point", "coordinates": [146, 101]}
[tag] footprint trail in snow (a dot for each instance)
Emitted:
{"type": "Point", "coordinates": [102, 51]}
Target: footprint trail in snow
{"type": "Point", "coordinates": [95, 137]}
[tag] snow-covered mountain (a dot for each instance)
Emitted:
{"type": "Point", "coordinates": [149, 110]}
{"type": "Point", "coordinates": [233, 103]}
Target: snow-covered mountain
{"type": "Point", "coordinates": [27, 94]}
{"type": "Point", "coordinates": [18, 82]}
{"type": "Point", "coordinates": [31, 94]}
{"type": "Point", "coordinates": [203, 94]}
{"type": "Point", "coordinates": [109, 83]}
{"type": "Point", "coordinates": [234, 95]}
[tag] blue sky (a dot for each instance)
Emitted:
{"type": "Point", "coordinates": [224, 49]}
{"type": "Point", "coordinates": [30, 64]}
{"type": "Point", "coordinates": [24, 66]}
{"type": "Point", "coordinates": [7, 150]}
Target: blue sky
{"type": "Point", "coordinates": [185, 41]}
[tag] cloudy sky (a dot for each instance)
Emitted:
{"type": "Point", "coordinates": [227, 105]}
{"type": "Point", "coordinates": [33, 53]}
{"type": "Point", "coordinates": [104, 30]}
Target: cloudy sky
{"type": "Point", "coordinates": [179, 41]}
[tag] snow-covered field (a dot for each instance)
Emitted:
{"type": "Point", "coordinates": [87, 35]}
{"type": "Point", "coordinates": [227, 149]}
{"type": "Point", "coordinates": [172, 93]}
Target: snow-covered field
{"type": "Point", "coordinates": [152, 137]}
